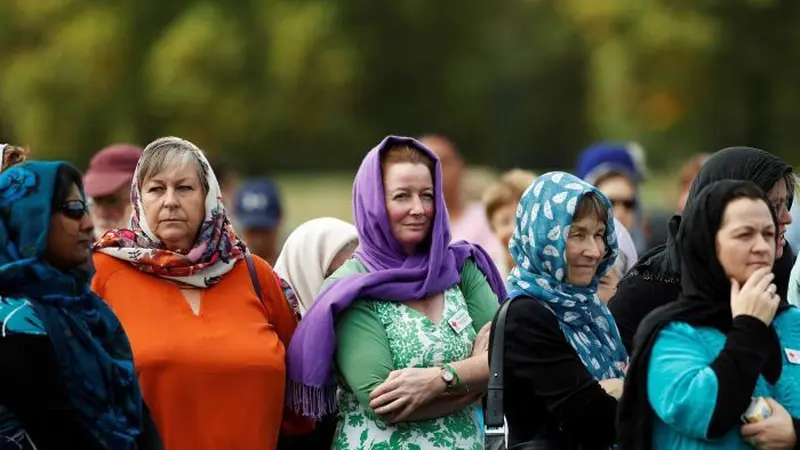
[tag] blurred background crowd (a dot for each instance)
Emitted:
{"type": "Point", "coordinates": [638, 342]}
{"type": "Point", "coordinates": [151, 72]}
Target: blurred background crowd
{"type": "Point", "coordinates": [298, 91]}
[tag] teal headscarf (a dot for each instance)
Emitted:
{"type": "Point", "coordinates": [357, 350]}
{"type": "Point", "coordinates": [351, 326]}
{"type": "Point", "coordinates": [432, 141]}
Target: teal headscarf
{"type": "Point", "coordinates": [538, 246]}
{"type": "Point", "coordinates": [92, 348]}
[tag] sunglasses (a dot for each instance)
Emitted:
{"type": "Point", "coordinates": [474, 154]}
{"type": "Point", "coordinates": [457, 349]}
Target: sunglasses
{"type": "Point", "coordinates": [74, 209]}
{"type": "Point", "coordinates": [625, 203]}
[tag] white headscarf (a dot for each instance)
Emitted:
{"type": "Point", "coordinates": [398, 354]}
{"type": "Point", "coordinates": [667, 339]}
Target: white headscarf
{"type": "Point", "coordinates": [308, 253]}
{"type": "Point", "coordinates": [626, 246]}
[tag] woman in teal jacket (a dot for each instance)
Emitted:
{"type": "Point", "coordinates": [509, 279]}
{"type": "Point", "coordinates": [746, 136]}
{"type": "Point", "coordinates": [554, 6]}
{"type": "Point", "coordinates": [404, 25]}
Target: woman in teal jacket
{"type": "Point", "coordinates": [698, 362]}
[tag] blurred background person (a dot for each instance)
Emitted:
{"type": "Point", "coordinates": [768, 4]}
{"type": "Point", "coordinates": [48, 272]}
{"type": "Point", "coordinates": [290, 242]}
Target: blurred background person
{"type": "Point", "coordinates": [229, 181]}
{"type": "Point", "coordinates": [793, 230]}
{"type": "Point", "coordinates": [500, 201]}
{"type": "Point", "coordinates": [614, 169]}
{"type": "Point", "coordinates": [626, 246]}
{"type": "Point", "coordinates": [793, 293]}
{"type": "Point", "coordinates": [468, 220]}
{"type": "Point", "coordinates": [108, 185]}
{"type": "Point", "coordinates": [657, 224]}
{"type": "Point", "coordinates": [259, 214]}
{"type": "Point", "coordinates": [311, 253]}
{"type": "Point", "coordinates": [626, 259]}
{"type": "Point", "coordinates": [208, 328]}
{"type": "Point", "coordinates": [688, 173]}
{"type": "Point", "coordinates": [607, 286]}
{"type": "Point", "coordinates": [11, 155]}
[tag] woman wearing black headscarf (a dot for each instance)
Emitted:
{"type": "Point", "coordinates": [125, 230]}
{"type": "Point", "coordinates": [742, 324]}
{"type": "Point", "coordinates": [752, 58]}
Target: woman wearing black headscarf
{"type": "Point", "coordinates": [699, 360]}
{"type": "Point", "coordinates": [655, 280]}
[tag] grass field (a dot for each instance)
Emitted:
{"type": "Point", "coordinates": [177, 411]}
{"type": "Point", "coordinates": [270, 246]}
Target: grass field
{"type": "Point", "coordinates": [307, 196]}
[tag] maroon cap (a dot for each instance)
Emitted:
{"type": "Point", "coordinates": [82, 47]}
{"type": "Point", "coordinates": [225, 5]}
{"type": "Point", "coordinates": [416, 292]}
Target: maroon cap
{"type": "Point", "coordinates": [110, 169]}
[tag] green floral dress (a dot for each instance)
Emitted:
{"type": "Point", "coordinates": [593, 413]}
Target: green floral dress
{"type": "Point", "coordinates": [414, 341]}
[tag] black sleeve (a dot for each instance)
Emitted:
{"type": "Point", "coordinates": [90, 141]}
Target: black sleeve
{"type": "Point", "coordinates": [150, 439]}
{"type": "Point", "coordinates": [637, 297]}
{"type": "Point", "coordinates": [31, 388]}
{"type": "Point", "coordinates": [796, 426]}
{"type": "Point", "coordinates": [538, 354]}
{"type": "Point", "coordinates": [737, 369]}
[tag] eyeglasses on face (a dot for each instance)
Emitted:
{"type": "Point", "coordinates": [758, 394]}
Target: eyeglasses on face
{"type": "Point", "coordinates": [74, 209]}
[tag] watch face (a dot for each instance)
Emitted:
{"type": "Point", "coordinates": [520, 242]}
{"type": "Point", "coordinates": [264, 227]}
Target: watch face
{"type": "Point", "coordinates": [447, 376]}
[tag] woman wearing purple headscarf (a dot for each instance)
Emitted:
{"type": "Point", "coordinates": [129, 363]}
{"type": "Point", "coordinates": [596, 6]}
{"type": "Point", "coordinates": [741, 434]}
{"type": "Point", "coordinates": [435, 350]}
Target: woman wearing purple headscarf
{"type": "Point", "coordinates": [399, 323]}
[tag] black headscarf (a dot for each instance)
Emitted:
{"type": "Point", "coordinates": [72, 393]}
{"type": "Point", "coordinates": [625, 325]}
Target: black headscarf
{"type": "Point", "coordinates": [732, 163]}
{"type": "Point", "coordinates": [704, 302]}
{"type": "Point", "coordinates": [655, 280]}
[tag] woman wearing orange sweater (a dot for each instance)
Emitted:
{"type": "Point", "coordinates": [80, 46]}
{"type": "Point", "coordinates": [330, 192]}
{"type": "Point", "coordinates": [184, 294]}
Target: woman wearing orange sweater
{"type": "Point", "coordinates": [208, 323]}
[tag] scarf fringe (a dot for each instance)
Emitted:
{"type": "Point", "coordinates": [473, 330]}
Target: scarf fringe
{"type": "Point", "coordinates": [311, 401]}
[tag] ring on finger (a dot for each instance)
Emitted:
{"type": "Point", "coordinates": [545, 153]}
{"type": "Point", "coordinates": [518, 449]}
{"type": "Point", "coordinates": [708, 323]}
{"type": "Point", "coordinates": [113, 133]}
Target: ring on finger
{"type": "Point", "coordinates": [772, 289]}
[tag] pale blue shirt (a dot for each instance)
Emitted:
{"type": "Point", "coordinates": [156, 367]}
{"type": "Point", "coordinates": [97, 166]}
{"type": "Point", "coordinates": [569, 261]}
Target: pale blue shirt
{"type": "Point", "coordinates": [793, 238]}
{"type": "Point", "coordinates": [793, 293]}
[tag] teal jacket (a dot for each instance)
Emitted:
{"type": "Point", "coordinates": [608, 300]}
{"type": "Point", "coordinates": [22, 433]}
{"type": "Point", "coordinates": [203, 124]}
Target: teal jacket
{"type": "Point", "coordinates": [682, 388]}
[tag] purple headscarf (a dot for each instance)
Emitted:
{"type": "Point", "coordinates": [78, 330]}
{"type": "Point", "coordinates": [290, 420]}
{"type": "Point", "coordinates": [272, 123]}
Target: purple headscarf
{"type": "Point", "coordinates": [392, 276]}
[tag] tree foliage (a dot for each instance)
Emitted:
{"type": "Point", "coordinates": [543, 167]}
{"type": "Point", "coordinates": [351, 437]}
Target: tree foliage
{"type": "Point", "coordinates": [313, 84]}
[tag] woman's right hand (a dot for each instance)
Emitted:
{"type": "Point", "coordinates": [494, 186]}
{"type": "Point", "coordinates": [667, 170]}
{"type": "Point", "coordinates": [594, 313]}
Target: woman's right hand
{"type": "Point", "coordinates": [757, 298]}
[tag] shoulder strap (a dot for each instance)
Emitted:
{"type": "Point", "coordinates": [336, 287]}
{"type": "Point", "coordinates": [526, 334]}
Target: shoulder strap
{"type": "Point", "coordinates": [251, 267]}
{"type": "Point", "coordinates": [494, 398]}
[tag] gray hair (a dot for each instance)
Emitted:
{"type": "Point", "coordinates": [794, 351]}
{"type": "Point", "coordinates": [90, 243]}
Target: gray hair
{"type": "Point", "coordinates": [350, 247]}
{"type": "Point", "coordinates": [620, 264]}
{"type": "Point", "coordinates": [168, 151]}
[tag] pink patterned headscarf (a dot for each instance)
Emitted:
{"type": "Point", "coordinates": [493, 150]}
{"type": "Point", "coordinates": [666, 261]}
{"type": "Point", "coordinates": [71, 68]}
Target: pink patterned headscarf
{"type": "Point", "coordinates": [214, 252]}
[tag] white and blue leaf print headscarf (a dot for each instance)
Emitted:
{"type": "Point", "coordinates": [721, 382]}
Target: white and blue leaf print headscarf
{"type": "Point", "coordinates": [538, 246]}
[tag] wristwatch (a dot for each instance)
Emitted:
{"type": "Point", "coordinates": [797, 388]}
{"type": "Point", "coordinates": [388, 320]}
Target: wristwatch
{"type": "Point", "coordinates": [448, 376]}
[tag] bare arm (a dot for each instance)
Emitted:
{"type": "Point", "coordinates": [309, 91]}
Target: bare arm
{"type": "Point", "coordinates": [473, 373]}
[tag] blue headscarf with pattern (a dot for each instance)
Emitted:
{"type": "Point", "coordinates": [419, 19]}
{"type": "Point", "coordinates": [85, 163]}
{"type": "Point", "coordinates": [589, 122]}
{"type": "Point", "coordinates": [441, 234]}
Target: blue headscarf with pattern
{"type": "Point", "coordinates": [538, 246]}
{"type": "Point", "coordinates": [92, 349]}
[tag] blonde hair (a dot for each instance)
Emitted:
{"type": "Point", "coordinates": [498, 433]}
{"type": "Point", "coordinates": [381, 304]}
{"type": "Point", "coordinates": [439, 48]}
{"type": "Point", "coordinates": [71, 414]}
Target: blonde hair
{"type": "Point", "coordinates": [166, 151]}
{"type": "Point", "coordinates": [507, 190]}
{"type": "Point", "coordinates": [13, 155]}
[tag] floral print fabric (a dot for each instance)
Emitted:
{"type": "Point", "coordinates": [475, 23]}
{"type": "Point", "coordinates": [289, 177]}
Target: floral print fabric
{"type": "Point", "coordinates": [414, 341]}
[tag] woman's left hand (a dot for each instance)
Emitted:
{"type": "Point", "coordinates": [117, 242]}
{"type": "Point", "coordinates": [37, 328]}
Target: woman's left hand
{"type": "Point", "coordinates": [405, 390]}
{"type": "Point", "coordinates": [776, 432]}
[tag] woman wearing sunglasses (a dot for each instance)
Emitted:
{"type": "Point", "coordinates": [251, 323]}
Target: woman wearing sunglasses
{"type": "Point", "coordinates": [67, 377]}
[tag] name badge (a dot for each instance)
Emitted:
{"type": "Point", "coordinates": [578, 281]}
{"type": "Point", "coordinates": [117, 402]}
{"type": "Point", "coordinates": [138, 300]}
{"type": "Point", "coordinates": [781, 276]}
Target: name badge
{"type": "Point", "coordinates": [460, 320]}
{"type": "Point", "coordinates": [793, 355]}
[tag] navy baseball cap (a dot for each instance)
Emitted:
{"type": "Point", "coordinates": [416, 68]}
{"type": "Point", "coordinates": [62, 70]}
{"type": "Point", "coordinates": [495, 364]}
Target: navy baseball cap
{"type": "Point", "coordinates": [257, 204]}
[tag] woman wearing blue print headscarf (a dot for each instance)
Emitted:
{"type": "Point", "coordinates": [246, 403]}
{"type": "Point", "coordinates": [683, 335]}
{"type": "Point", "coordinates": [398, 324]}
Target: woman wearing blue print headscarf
{"type": "Point", "coordinates": [66, 372]}
{"type": "Point", "coordinates": [564, 360]}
